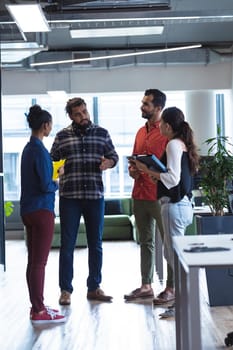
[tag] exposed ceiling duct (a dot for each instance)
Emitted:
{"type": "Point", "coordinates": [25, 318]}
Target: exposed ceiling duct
{"type": "Point", "coordinates": [184, 23]}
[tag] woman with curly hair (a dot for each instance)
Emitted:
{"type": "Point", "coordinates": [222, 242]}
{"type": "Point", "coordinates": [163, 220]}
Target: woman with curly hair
{"type": "Point", "coordinates": [37, 211]}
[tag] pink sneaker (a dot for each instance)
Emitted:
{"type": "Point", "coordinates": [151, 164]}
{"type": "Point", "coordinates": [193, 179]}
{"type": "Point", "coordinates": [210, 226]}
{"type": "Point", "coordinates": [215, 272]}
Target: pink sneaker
{"type": "Point", "coordinates": [47, 316]}
{"type": "Point", "coordinates": [47, 308]}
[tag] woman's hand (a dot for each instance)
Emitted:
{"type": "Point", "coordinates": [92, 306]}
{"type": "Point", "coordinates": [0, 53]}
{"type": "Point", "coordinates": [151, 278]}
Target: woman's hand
{"type": "Point", "coordinates": [154, 175]}
{"type": "Point", "coordinates": [153, 178]}
{"type": "Point", "coordinates": [61, 170]}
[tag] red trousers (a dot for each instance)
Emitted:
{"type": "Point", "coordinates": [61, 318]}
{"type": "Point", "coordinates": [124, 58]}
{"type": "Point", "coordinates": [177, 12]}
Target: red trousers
{"type": "Point", "coordinates": [39, 227]}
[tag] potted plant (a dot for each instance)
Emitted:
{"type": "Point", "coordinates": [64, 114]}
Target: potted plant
{"type": "Point", "coordinates": [216, 173]}
{"type": "Point", "coordinates": [8, 208]}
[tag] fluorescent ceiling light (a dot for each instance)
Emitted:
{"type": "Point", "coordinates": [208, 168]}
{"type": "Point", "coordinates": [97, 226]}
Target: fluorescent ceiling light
{"type": "Point", "coordinates": [16, 52]}
{"type": "Point", "coordinates": [136, 53]}
{"type": "Point", "coordinates": [150, 20]}
{"type": "Point", "coordinates": [118, 31]}
{"type": "Point", "coordinates": [29, 18]}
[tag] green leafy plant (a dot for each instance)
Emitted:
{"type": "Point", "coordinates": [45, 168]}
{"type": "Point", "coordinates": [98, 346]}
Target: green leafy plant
{"type": "Point", "coordinates": [216, 173]}
{"type": "Point", "coordinates": [8, 208]}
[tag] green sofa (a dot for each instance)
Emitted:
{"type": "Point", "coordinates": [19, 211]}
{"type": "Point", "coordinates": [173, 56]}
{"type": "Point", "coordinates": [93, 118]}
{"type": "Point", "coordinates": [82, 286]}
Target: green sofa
{"type": "Point", "coordinates": [118, 223]}
{"type": "Point", "coordinates": [14, 222]}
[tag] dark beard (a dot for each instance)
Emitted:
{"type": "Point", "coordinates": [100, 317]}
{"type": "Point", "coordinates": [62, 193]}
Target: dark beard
{"type": "Point", "coordinates": [84, 127]}
{"type": "Point", "coordinates": [81, 127]}
{"type": "Point", "coordinates": [146, 116]}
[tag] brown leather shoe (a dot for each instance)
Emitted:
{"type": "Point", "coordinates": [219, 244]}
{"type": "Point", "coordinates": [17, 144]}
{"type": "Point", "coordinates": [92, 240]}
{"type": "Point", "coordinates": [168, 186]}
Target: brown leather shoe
{"type": "Point", "coordinates": [65, 298]}
{"type": "Point", "coordinates": [164, 297]}
{"type": "Point", "coordinates": [138, 293]}
{"type": "Point", "coordinates": [99, 295]}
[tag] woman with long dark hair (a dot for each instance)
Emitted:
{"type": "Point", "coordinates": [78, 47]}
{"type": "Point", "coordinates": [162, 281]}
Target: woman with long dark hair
{"type": "Point", "coordinates": [37, 212]}
{"type": "Point", "coordinates": [175, 186]}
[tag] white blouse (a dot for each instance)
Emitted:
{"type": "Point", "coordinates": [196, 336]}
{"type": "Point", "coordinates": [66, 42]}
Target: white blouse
{"type": "Point", "coordinates": [174, 152]}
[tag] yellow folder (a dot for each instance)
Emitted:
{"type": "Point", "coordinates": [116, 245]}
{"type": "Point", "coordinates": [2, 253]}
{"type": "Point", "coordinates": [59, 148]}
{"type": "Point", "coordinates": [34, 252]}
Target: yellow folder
{"type": "Point", "coordinates": [56, 167]}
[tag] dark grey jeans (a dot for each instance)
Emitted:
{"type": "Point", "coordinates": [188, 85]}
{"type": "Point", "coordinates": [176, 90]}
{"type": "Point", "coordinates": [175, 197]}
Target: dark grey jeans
{"type": "Point", "coordinates": [146, 214]}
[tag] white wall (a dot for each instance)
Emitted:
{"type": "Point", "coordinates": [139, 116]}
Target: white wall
{"type": "Point", "coordinates": [196, 77]}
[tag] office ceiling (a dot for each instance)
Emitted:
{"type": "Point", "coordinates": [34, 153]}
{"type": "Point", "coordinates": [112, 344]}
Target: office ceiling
{"type": "Point", "coordinates": [185, 22]}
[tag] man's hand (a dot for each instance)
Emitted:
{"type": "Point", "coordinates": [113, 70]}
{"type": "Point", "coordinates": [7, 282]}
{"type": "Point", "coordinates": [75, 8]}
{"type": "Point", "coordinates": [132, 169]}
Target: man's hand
{"type": "Point", "coordinates": [133, 171]}
{"type": "Point", "coordinates": [141, 166]}
{"type": "Point", "coordinates": [106, 163]}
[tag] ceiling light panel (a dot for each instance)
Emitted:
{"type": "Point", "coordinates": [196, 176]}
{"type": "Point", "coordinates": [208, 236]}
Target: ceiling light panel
{"type": "Point", "coordinates": [29, 18]}
{"type": "Point", "coordinates": [116, 32]}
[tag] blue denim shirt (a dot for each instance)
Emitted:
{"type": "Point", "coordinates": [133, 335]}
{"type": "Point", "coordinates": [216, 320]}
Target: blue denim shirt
{"type": "Point", "coordinates": [37, 187]}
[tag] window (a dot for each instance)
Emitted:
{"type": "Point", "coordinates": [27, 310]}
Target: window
{"type": "Point", "coordinates": [11, 183]}
{"type": "Point", "coordinates": [220, 120]}
{"type": "Point", "coordinates": [119, 113]}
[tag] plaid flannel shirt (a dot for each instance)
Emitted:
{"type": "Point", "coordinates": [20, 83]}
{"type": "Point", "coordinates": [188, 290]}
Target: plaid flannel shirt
{"type": "Point", "coordinates": [82, 177]}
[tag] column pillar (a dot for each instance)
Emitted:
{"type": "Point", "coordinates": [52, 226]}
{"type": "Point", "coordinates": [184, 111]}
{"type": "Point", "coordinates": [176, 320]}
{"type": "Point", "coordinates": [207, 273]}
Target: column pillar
{"type": "Point", "coordinates": [2, 216]}
{"type": "Point", "coordinates": [201, 114]}
{"type": "Point", "coordinates": [228, 111]}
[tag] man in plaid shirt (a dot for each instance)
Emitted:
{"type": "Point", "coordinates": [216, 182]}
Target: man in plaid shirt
{"type": "Point", "coordinates": [88, 150]}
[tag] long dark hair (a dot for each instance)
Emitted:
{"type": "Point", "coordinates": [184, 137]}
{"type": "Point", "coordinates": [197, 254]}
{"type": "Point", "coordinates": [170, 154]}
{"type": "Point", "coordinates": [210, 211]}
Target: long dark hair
{"type": "Point", "coordinates": [37, 116]}
{"type": "Point", "coordinates": [182, 130]}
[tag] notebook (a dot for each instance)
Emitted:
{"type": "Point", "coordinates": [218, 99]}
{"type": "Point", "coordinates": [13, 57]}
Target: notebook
{"type": "Point", "coordinates": [56, 166]}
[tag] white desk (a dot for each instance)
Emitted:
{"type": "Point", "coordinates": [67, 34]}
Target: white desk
{"type": "Point", "coordinates": [159, 244]}
{"type": "Point", "coordinates": [188, 322]}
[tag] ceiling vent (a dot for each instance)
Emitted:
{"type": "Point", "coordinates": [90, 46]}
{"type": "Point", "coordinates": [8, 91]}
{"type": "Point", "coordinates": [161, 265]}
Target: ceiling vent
{"type": "Point", "coordinates": [84, 55]}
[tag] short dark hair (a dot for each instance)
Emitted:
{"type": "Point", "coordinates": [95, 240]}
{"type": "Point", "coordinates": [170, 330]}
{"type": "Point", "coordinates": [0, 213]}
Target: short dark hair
{"type": "Point", "coordinates": [74, 102]}
{"type": "Point", "coordinates": [37, 116]}
{"type": "Point", "coordinates": [159, 98]}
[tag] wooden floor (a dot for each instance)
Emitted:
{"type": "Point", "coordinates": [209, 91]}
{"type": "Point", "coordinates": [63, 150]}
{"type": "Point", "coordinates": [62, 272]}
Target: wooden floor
{"type": "Point", "coordinates": [92, 325]}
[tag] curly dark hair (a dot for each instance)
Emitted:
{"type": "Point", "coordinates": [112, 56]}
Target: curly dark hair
{"type": "Point", "coordinates": [37, 116]}
{"type": "Point", "coordinates": [74, 102]}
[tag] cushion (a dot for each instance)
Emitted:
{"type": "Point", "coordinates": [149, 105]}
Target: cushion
{"type": "Point", "coordinates": [113, 207]}
{"type": "Point", "coordinates": [117, 221]}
